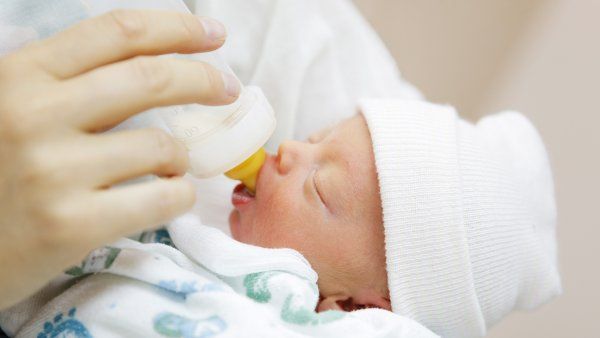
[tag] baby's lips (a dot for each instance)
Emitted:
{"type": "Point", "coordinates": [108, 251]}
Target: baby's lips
{"type": "Point", "coordinates": [241, 196]}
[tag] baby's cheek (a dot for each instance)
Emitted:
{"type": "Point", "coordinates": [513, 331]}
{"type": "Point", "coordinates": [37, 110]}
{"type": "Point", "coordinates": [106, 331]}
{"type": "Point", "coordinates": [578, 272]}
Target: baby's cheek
{"type": "Point", "coordinates": [278, 221]}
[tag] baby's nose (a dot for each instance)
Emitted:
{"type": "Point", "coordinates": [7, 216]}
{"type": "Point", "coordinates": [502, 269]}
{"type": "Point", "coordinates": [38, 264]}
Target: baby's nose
{"type": "Point", "coordinates": [288, 154]}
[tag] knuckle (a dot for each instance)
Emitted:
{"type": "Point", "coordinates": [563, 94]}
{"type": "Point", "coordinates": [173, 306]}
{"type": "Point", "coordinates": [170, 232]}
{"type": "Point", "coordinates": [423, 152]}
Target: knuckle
{"type": "Point", "coordinates": [57, 223]}
{"type": "Point", "coordinates": [129, 24]}
{"type": "Point", "coordinates": [160, 206]}
{"type": "Point", "coordinates": [213, 81]}
{"type": "Point", "coordinates": [167, 202]}
{"type": "Point", "coordinates": [16, 128]}
{"type": "Point", "coordinates": [14, 121]}
{"type": "Point", "coordinates": [41, 168]}
{"type": "Point", "coordinates": [187, 34]}
{"type": "Point", "coordinates": [187, 195]}
{"type": "Point", "coordinates": [9, 124]}
{"type": "Point", "coordinates": [21, 117]}
{"type": "Point", "coordinates": [154, 75]}
{"type": "Point", "coordinates": [11, 66]}
{"type": "Point", "coordinates": [165, 148]}
{"type": "Point", "coordinates": [36, 169]}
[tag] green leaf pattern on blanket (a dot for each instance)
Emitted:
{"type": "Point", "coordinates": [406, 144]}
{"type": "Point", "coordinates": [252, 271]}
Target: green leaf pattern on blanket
{"type": "Point", "coordinates": [299, 314]}
{"type": "Point", "coordinates": [96, 261]}
{"type": "Point", "coordinates": [294, 309]}
{"type": "Point", "coordinates": [257, 285]}
{"type": "Point", "coordinates": [173, 325]}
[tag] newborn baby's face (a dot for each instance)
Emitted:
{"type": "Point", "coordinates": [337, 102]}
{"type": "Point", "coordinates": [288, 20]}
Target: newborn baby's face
{"type": "Point", "coordinates": [321, 198]}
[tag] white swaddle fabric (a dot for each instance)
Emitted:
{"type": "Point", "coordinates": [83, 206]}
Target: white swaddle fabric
{"type": "Point", "coordinates": [133, 289]}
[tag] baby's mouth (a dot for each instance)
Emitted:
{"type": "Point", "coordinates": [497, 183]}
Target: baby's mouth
{"type": "Point", "coordinates": [241, 196]}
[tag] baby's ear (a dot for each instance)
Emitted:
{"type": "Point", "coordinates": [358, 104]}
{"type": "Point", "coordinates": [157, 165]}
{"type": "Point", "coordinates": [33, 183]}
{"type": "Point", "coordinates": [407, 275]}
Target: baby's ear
{"type": "Point", "coordinates": [331, 303]}
{"type": "Point", "coordinates": [345, 303]}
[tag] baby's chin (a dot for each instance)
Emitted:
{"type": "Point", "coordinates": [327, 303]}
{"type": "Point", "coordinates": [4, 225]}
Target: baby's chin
{"type": "Point", "coordinates": [239, 231]}
{"type": "Point", "coordinates": [235, 225]}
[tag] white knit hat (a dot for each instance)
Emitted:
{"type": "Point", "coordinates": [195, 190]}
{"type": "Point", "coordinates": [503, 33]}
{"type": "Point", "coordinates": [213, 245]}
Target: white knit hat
{"type": "Point", "coordinates": [469, 215]}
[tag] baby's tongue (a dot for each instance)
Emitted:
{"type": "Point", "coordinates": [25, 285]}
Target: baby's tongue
{"type": "Point", "coordinates": [241, 196]}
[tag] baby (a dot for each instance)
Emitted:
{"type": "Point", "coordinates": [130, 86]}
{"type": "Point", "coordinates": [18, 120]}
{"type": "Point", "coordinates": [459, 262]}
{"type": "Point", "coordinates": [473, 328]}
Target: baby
{"type": "Point", "coordinates": [406, 207]}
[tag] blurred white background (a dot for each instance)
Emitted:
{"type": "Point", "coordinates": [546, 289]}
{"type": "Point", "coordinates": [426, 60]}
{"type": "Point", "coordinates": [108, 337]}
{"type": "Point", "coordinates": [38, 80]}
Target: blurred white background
{"type": "Point", "coordinates": [541, 57]}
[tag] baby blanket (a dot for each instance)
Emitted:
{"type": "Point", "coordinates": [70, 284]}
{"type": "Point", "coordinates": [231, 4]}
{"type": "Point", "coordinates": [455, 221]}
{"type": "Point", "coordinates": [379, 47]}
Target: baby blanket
{"type": "Point", "coordinates": [212, 287]}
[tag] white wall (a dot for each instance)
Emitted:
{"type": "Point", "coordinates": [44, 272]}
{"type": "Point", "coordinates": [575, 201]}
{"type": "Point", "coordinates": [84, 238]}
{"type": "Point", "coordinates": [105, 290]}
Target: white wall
{"type": "Point", "coordinates": [450, 48]}
{"type": "Point", "coordinates": [539, 57]}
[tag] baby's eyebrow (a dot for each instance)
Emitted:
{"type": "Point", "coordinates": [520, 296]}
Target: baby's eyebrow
{"type": "Point", "coordinates": [319, 135]}
{"type": "Point", "coordinates": [311, 138]}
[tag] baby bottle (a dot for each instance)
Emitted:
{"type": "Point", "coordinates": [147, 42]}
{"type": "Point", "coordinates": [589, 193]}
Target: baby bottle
{"type": "Point", "coordinates": [220, 139]}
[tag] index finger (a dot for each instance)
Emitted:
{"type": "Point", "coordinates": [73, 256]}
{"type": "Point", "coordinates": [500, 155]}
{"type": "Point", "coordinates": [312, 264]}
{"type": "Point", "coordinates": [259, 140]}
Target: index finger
{"type": "Point", "coordinates": [123, 34]}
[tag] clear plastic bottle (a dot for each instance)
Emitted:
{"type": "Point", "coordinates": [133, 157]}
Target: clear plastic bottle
{"type": "Point", "coordinates": [218, 138]}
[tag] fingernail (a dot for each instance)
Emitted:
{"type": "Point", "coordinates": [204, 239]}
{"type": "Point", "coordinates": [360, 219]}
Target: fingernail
{"type": "Point", "coordinates": [213, 29]}
{"type": "Point", "coordinates": [232, 84]}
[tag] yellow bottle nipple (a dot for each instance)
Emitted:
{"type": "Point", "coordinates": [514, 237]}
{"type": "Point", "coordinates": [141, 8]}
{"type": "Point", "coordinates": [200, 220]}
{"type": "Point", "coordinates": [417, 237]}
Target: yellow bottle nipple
{"type": "Point", "coordinates": [248, 170]}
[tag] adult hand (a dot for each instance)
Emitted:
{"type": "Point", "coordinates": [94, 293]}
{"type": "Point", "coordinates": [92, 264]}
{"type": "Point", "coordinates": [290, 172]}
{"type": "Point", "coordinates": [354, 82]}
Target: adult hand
{"type": "Point", "coordinates": [57, 200]}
